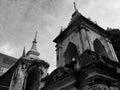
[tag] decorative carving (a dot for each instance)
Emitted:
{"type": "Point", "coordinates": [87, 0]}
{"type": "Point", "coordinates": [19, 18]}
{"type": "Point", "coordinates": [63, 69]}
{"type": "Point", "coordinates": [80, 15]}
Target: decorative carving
{"type": "Point", "coordinates": [58, 74]}
{"type": "Point", "coordinates": [87, 57]}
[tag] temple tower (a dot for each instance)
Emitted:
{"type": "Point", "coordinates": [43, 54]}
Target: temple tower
{"type": "Point", "coordinates": [85, 58]}
{"type": "Point", "coordinates": [82, 34]}
{"type": "Point", "coordinates": [30, 70]}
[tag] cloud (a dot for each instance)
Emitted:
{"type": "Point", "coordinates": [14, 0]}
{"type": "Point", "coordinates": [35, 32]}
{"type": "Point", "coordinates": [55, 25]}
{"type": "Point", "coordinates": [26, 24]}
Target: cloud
{"type": "Point", "coordinates": [7, 49]}
{"type": "Point", "coordinates": [105, 12]}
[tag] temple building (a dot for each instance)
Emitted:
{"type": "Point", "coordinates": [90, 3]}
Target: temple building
{"type": "Point", "coordinates": [85, 58]}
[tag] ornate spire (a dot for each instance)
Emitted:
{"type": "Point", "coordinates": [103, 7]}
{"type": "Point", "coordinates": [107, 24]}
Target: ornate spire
{"type": "Point", "coordinates": [33, 51]}
{"type": "Point", "coordinates": [23, 54]}
{"type": "Point", "coordinates": [35, 40]}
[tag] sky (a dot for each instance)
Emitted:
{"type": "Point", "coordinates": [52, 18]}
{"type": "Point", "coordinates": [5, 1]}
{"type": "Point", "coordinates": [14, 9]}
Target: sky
{"type": "Point", "coordinates": [20, 19]}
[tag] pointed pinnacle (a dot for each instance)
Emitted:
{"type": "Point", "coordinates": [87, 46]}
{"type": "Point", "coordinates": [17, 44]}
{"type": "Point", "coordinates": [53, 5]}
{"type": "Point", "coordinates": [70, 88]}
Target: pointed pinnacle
{"type": "Point", "coordinates": [61, 30]}
{"type": "Point", "coordinates": [75, 6]}
{"type": "Point", "coordinates": [35, 38]}
{"type": "Point", "coordinates": [23, 54]}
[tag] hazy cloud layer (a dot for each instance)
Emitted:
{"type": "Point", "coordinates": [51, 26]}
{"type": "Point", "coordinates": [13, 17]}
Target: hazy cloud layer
{"type": "Point", "coordinates": [19, 19]}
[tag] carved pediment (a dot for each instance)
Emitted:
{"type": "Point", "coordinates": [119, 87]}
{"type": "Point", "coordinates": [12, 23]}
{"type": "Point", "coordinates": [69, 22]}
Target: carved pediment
{"type": "Point", "coordinates": [58, 74]}
{"type": "Point", "coordinates": [88, 57]}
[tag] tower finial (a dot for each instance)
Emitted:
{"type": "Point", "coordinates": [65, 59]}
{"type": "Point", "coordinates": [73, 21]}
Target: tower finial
{"type": "Point", "coordinates": [23, 54]}
{"type": "Point", "coordinates": [75, 6]}
{"type": "Point", "coordinates": [35, 40]}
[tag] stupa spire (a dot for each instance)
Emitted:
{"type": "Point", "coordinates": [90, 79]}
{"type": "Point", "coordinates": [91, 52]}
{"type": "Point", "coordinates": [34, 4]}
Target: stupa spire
{"type": "Point", "coordinates": [33, 51]}
{"type": "Point", "coordinates": [35, 40]}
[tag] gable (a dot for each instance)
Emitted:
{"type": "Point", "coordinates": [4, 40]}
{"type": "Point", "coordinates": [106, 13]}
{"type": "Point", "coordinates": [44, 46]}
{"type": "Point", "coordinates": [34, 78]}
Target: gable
{"type": "Point", "coordinates": [79, 22]}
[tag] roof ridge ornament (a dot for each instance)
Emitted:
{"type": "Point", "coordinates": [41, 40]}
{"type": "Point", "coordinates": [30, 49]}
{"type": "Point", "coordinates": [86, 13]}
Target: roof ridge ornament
{"type": "Point", "coordinates": [23, 54]}
{"type": "Point", "coordinates": [75, 6]}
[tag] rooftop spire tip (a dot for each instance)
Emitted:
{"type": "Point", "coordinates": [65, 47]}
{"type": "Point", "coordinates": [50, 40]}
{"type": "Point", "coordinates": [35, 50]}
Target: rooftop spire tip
{"type": "Point", "coordinates": [75, 6]}
{"type": "Point", "coordinates": [35, 38]}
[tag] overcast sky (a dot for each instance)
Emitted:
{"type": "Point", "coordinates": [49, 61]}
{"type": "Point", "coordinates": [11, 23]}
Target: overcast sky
{"type": "Point", "coordinates": [20, 19]}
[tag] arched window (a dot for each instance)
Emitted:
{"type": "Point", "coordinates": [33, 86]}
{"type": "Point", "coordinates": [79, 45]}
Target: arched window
{"type": "Point", "coordinates": [99, 48]}
{"type": "Point", "coordinates": [70, 53]}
